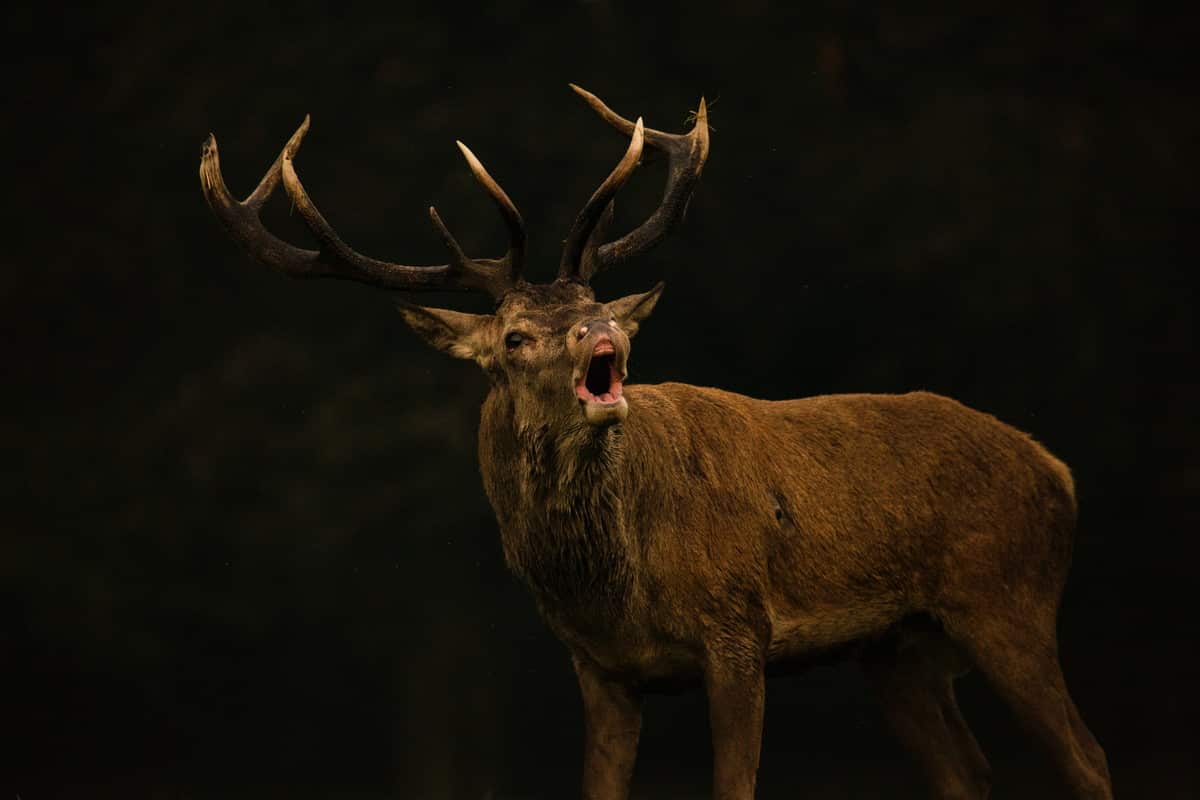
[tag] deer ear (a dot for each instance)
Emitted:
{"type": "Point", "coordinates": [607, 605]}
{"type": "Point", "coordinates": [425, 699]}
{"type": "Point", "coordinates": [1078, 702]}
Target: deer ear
{"type": "Point", "coordinates": [453, 332]}
{"type": "Point", "coordinates": [631, 310]}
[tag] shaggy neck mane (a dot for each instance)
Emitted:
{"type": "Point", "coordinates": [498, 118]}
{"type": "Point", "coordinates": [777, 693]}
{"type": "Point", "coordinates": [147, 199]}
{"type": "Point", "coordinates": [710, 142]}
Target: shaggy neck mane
{"type": "Point", "coordinates": [571, 465]}
{"type": "Point", "coordinates": [565, 536]}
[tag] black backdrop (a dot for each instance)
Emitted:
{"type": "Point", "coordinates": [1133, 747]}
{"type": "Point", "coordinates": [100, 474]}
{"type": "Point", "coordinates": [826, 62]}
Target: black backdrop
{"type": "Point", "coordinates": [246, 552]}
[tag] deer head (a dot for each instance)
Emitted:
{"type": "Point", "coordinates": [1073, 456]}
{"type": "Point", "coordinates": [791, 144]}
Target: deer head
{"type": "Point", "coordinates": [557, 352]}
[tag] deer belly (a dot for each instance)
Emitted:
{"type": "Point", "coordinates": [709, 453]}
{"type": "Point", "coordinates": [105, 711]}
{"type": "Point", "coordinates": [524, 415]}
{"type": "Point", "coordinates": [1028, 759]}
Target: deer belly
{"type": "Point", "coordinates": [648, 662]}
{"type": "Point", "coordinates": [802, 633]}
{"type": "Point", "coordinates": [634, 655]}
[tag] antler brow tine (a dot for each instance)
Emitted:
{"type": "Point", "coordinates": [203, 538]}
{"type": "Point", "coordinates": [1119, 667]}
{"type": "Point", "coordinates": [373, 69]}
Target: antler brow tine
{"type": "Point", "coordinates": [515, 258]}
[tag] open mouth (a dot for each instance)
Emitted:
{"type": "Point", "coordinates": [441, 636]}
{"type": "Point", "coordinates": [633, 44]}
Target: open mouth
{"type": "Point", "coordinates": [601, 383]}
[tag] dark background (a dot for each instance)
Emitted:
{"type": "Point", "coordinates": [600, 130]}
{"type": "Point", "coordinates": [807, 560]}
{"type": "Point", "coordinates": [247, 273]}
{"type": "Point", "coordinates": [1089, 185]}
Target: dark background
{"type": "Point", "coordinates": [246, 552]}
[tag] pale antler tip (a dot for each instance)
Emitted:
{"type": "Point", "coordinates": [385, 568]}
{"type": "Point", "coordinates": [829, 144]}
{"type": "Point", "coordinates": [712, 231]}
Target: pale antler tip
{"type": "Point", "coordinates": [208, 150]}
{"type": "Point", "coordinates": [589, 98]}
{"type": "Point", "coordinates": [699, 132]}
{"type": "Point", "coordinates": [293, 144]}
{"type": "Point", "coordinates": [441, 226]}
{"type": "Point", "coordinates": [474, 163]}
{"type": "Point", "coordinates": [210, 166]}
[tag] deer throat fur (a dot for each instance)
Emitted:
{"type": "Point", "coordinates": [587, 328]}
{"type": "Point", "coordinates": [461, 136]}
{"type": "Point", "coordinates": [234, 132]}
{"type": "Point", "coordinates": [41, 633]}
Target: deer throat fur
{"type": "Point", "coordinates": [557, 495]}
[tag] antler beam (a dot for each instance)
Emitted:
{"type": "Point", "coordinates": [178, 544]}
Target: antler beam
{"type": "Point", "coordinates": [686, 154]}
{"type": "Point", "coordinates": [581, 242]}
{"type": "Point", "coordinates": [336, 259]}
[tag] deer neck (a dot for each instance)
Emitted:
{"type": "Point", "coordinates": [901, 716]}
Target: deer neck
{"type": "Point", "coordinates": [557, 490]}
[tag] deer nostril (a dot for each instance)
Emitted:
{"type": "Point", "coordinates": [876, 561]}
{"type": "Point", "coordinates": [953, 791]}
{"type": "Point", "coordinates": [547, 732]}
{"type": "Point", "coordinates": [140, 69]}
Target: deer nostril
{"type": "Point", "coordinates": [583, 331]}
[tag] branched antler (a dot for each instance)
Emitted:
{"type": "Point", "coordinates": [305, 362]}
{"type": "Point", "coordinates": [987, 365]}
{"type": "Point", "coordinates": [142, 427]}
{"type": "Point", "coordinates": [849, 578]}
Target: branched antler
{"type": "Point", "coordinates": [334, 258]}
{"type": "Point", "coordinates": [585, 253]}
{"type": "Point", "coordinates": [580, 246]}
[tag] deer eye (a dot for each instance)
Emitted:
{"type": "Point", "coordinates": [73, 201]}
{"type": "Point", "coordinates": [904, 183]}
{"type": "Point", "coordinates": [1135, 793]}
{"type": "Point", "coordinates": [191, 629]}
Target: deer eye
{"type": "Point", "coordinates": [514, 340]}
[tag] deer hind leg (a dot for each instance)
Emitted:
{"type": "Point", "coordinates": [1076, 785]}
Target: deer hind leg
{"type": "Point", "coordinates": [1018, 653]}
{"type": "Point", "coordinates": [914, 679]}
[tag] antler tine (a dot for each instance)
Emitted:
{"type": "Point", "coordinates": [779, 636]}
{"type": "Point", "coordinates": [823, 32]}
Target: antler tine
{"type": "Point", "coordinates": [241, 218]}
{"type": "Point", "coordinates": [334, 258]}
{"type": "Point", "coordinates": [514, 259]}
{"type": "Point", "coordinates": [576, 255]}
{"type": "Point", "coordinates": [686, 154]}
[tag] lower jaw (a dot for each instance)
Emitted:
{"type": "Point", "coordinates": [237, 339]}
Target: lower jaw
{"type": "Point", "coordinates": [598, 413]}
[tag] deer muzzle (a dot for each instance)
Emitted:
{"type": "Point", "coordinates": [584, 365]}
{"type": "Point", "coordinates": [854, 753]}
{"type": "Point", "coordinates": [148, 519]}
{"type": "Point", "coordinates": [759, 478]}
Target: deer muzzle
{"type": "Point", "coordinates": [599, 378]}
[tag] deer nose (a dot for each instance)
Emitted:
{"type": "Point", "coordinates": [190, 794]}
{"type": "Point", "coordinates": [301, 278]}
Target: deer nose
{"type": "Point", "coordinates": [588, 327]}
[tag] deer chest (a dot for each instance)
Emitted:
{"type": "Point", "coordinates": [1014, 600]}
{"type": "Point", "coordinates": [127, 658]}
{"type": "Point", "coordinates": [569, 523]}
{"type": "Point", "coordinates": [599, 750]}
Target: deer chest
{"type": "Point", "coordinates": [571, 563]}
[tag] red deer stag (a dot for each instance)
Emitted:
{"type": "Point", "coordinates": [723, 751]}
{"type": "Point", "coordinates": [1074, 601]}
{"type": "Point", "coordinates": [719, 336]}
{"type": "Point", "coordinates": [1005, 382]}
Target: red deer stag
{"type": "Point", "coordinates": [678, 532]}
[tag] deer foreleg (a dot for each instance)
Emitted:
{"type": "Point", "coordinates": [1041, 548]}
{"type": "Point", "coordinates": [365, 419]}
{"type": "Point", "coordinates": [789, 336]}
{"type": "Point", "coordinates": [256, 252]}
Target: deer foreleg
{"type": "Point", "coordinates": [612, 723]}
{"type": "Point", "coordinates": [735, 687]}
